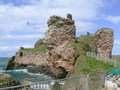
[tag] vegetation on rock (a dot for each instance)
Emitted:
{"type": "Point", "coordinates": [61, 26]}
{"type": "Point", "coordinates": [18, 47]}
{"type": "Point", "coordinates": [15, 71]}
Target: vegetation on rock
{"type": "Point", "coordinates": [84, 64]}
{"type": "Point", "coordinates": [88, 41]}
{"type": "Point", "coordinates": [43, 48]}
{"type": "Point", "coordinates": [87, 65]}
{"type": "Point", "coordinates": [7, 81]}
{"type": "Point", "coordinates": [62, 52]}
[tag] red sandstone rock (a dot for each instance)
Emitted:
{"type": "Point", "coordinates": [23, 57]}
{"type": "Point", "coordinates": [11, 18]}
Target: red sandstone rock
{"type": "Point", "coordinates": [60, 58]}
{"type": "Point", "coordinates": [104, 42]}
{"type": "Point", "coordinates": [60, 30]}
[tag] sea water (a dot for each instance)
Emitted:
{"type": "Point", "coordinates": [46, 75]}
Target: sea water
{"type": "Point", "coordinates": [23, 74]}
{"type": "Point", "coordinates": [3, 61]}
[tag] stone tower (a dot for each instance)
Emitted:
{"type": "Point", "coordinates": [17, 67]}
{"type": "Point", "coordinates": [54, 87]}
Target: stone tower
{"type": "Point", "coordinates": [60, 30]}
{"type": "Point", "coordinates": [104, 42]}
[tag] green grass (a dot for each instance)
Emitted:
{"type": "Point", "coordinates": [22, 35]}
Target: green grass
{"type": "Point", "coordinates": [93, 65]}
{"type": "Point", "coordinates": [80, 44]}
{"type": "Point", "coordinates": [86, 39]}
{"type": "Point", "coordinates": [84, 42]}
{"type": "Point", "coordinates": [43, 48]}
{"type": "Point", "coordinates": [87, 65]}
{"type": "Point", "coordinates": [88, 42]}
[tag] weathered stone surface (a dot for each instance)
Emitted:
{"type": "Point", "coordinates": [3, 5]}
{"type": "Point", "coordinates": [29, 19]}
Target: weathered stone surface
{"type": "Point", "coordinates": [35, 58]}
{"type": "Point", "coordinates": [60, 30]}
{"type": "Point", "coordinates": [10, 64]}
{"type": "Point", "coordinates": [59, 58]}
{"type": "Point", "coordinates": [104, 42]}
{"type": "Point", "coordinates": [6, 81]}
{"type": "Point", "coordinates": [39, 43]}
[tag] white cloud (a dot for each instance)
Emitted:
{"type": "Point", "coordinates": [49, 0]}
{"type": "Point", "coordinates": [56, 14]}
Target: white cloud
{"type": "Point", "coordinates": [20, 37]}
{"type": "Point", "coordinates": [12, 48]}
{"type": "Point", "coordinates": [114, 19]}
{"type": "Point", "coordinates": [83, 26]}
{"type": "Point", "coordinates": [16, 17]}
{"type": "Point", "coordinates": [13, 18]}
{"type": "Point", "coordinates": [4, 48]}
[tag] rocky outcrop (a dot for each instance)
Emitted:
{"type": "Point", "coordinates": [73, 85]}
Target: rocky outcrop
{"type": "Point", "coordinates": [7, 81]}
{"type": "Point", "coordinates": [104, 42]}
{"type": "Point", "coordinates": [58, 51]}
{"type": "Point", "coordinates": [61, 59]}
{"type": "Point", "coordinates": [60, 30]}
{"type": "Point", "coordinates": [30, 58]}
{"type": "Point", "coordinates": [10, 64]}
{"type": "Point", "coordinates": [58, 58]}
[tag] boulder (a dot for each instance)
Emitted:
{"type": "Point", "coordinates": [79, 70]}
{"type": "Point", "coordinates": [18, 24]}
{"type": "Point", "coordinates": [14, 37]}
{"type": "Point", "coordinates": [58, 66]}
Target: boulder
{"type": "Point", "coordinates": [7, 81]}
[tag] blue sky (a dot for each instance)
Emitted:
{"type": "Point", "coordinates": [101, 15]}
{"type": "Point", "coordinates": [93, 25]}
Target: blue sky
{"type": "Point", "coordinates": [89, 16]}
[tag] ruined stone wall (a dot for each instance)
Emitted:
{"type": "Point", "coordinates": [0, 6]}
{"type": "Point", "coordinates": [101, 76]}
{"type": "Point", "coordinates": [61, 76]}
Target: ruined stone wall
{"type": "Point", "coordinates": [60, 30]}
{"type": "Point", "coordinates": [104, 42]}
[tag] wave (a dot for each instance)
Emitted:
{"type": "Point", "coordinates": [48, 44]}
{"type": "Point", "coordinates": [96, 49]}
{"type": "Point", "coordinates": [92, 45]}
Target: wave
{"type": "Point", "coordinates": [17, 70]}
{"type": "Point", "coordinates": [22, 74]}
{"type": "Point", "coordinates": [20, 70]}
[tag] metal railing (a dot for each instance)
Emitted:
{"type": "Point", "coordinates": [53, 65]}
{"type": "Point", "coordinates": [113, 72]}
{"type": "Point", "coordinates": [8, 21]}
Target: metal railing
{"type": "Point", "coordinates": [82, 82]}
{"type": "Point", "coordinates": [44, 85]}
{"type": "Point", "coordinates": [115, 62]}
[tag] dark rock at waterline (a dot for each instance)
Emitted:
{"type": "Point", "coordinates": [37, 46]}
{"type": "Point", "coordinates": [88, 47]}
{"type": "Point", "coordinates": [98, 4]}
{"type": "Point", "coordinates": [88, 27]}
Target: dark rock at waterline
{"type": "Point", "coordinates": [44, 70]}
{"type": "Point", "coordinates": [39, 69]}
{"type": "Point", "coordinates": [7, 81]}
{"type": "Point", "coordinates": [10, 64]}
{"type": "Point", "coordinates": [47, 71]}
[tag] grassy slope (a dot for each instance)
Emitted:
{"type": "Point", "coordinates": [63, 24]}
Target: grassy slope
{"type": "Point", "coordinates": [87, 65]}
{"type": "Point", "coordinates": [87, 41]}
